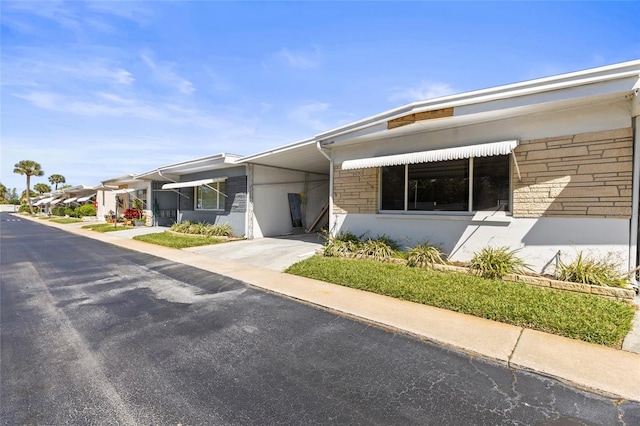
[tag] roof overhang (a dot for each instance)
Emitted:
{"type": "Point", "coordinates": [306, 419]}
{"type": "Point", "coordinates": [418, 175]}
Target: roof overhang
{"type": "Point", "coordinates": [70, 200]}
{"type": "Point", "coordinates": [172, 172]}
{"type": "Point", "coordinates": [193, 183]}
{"type": "Point", "coordinates": [380, 132]}
{"type": "Point", "coordinates": [455, 153]}
{"type": "Point", "coordinates": [120, 180]}
{"type": "Point", "coordinates": [603, 81]}
{"type": "Point", "coordinates": [301, 156]}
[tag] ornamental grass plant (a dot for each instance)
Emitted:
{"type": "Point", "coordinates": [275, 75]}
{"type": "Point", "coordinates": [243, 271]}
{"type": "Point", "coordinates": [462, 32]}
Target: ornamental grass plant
{"type": "Point", "coordinates": [425, 255]}
{"type": "Point", "coordinates": [203, 228]}
{"type": "Point", "coordinates": [593, 271]}
{"type": "Point", "coordinates": [497, 262]}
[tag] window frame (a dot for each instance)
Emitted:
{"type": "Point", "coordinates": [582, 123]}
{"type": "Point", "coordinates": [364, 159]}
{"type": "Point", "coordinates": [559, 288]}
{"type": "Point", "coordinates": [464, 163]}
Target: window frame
{"type": "Point", "coordinates": [467, 212]}
{"type": "Point", "coordinates": [220, 200]}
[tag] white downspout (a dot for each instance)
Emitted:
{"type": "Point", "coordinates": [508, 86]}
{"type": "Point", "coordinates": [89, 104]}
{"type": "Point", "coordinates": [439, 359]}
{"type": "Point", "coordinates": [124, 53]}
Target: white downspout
{"type": "Point", "coordinates": [332, 223]}
{"type": "Point", "coordinates": [635, 197]}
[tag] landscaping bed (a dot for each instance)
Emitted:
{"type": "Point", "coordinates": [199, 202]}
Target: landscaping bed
{"type": "Point", "coordinates": [579, 316]}
{"type": "Point", "coordinates": [178, 240]}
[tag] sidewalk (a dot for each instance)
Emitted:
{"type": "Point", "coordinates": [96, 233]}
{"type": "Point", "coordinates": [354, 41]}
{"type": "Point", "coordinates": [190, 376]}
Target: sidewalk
{"type": "Point", "coordinates": [611, 372]}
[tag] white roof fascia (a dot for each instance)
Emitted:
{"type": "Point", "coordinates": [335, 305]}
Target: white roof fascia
{"type": "Point", "coordinates": [469, 119]}
{"type": "Point", "coordinates": [120, 179]}
{"type": "Point", "coordinates": [70, 200]}
{"type": "Point", "coordinates": [56, 201]}
{"type": "Point", "coordinates": [216, 161]}
{"type": "Point", "coordinates": [193, 183]}
{"type": "Point", "coordinates": [559, 82]}
{"type": "Point", "coordinates": [278, 150]}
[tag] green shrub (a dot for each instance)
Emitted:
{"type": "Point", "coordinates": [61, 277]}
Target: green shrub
{"type": "Point", "coordinates": [24, 208]}
{"type": "Point", "coordinates": [85, 210]}
{"type": "Point", "coordinates": [586, 270]}
{"type": "Point", "coordinates": [425, 255]}
{"type": "Point", "coordinates": [388, 241]}
{"type": "Point", "coordinates": [203, 228]}
{"type": "Point", "coordinates": [62, 211]}
{"type": "Point", "coordinates": [347, 237]}
{"type": "Point", "coordinates": [496, 262]}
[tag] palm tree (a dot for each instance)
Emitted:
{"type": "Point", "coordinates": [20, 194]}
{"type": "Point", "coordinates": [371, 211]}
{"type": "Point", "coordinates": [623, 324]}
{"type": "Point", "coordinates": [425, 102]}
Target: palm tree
{"type": "Point", "coordinates": [56, 179]}
{"type": "Point", "coordinates": [29, 168]}
{"type": "Point", "coordinates": [41, 188]}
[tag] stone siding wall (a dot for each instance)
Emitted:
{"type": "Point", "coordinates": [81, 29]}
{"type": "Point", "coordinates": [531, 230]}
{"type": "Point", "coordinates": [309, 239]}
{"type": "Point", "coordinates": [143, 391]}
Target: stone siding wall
{"type": "Point", "coordinates": [355, 191]}
{"type": "Point", "coordinates": [584, 175]}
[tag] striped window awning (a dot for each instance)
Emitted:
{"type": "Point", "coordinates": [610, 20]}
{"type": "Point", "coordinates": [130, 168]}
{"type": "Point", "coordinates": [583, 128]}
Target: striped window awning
{"type": "Point", "coordinates": [456, 153]}
{"type": "Point", "coordinates": [43, 201]}
{"type": "Point", "coordinates": [87, 198]}
{"type": "Point", "coordinates": [192, 183]}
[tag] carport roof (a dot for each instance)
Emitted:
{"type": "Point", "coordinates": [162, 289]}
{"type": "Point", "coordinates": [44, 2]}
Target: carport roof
{"type": "Point", "coordinates": [303, 156]}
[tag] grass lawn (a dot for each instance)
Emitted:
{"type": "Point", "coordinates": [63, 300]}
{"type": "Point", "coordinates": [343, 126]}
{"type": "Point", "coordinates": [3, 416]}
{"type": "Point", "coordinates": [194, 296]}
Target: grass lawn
{"type": "Point", "coordinates": [178, 241]}
{"type": "Point", "coordinates": [107, 227]}
{"type": "Point", "coordinates": [64, 220]}
{"type": "Point", "coordinates": [578, 316]}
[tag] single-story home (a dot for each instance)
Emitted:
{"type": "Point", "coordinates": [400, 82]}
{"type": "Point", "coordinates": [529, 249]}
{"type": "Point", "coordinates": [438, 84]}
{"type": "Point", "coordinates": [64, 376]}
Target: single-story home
{"type": "Point", "coordinates": [117, 194]}
{"type": "Point", "coordinates": [550, 167]}
{"type": "Point", "coordinates": [210, 189]}
{"type": "Point", "coordinates": [257, 195]}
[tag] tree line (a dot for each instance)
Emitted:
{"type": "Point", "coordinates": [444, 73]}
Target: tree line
{"type": "Point", "coordinates": [29, 168]}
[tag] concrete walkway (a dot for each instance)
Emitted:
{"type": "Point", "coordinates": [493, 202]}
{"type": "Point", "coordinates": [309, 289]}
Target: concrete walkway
{"type": "Point", "coordinates": [612, 372]}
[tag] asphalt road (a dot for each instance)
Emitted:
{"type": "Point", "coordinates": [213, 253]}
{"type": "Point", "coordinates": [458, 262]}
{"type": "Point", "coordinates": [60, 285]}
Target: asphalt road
{"type": "Point", "coordinates": [95, 334]}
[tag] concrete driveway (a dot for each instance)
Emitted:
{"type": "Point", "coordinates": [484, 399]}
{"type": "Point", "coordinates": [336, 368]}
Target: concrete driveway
{"type": "Point", "coordinates": [276, 253]}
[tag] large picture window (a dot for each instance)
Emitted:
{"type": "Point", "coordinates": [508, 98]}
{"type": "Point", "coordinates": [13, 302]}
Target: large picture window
{"type": "Point", "coordinates": [482, 183]}
{"type": "Point", "coordinates": [208, 198]}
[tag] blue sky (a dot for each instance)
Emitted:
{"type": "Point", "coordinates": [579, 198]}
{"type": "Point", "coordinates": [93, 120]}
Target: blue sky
{"type": "Point", "coordinates": [95, 90]}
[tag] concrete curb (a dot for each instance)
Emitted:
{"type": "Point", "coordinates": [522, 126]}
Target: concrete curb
{"type": "Point", "coordinates": [611, 372]}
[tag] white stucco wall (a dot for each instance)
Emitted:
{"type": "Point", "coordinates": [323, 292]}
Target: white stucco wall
{"type": "Point", "coordinates": [538, 240]}
{"type": "Point", "coordinates": [269, 189]}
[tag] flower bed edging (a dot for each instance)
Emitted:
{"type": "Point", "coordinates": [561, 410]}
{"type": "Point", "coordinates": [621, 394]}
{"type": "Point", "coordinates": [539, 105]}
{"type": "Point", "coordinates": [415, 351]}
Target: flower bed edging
{"type": "Point", "coordinates": [609, 292]}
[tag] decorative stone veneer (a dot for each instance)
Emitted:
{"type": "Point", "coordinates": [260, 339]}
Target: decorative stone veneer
{"type": "Point", "coordinates": [355, 191]}
{"type": "Point", "coordinates": [584, 175]}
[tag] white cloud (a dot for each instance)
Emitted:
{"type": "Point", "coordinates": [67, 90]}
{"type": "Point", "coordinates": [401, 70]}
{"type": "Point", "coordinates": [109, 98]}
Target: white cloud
{"type": "Point", "coordinates": [75, 16]}
{"type": "Point", "coordinates": [424, 90]}
{"type": "Point", "coordinates": [164, 72]}
{"type": "Point", "coordinates": [310, 114]}
{"type": "Point", "coordinates": [38, 68]}
{"type": "Point", "coordinates": [299, 59]}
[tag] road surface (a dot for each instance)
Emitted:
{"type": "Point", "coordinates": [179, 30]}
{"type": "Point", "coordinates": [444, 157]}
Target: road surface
{"type": "Point", "coordinates": [95, 334]}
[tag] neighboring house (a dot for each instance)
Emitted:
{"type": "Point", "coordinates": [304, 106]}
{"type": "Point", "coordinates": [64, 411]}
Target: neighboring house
{"type": "Point", "coordinates": [78, 195]}
{"type": "Point", "coordinates": [211, 189]}
{"type": "Point", "coordinates": [548, 166]}
{"type": "Point", "coordinates": [115, 195]}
